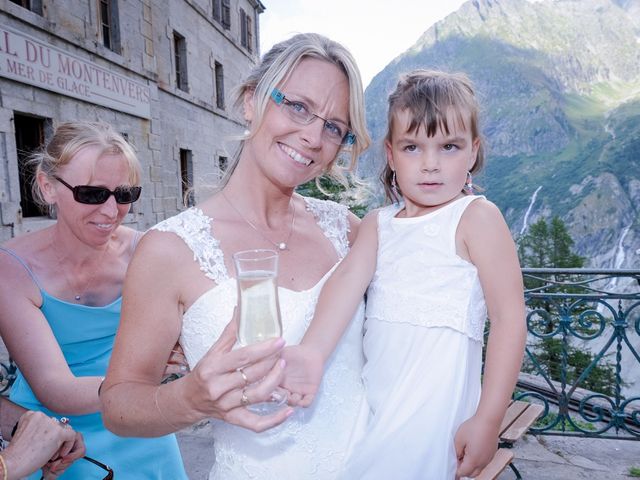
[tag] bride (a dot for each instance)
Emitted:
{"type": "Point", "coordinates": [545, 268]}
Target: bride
{"type": "Point", "coordinates": [304, 106]}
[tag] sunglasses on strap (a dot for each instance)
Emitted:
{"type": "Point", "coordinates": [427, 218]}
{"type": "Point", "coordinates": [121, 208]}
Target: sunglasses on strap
{"type": "Point", "coordinates": [106, 468]}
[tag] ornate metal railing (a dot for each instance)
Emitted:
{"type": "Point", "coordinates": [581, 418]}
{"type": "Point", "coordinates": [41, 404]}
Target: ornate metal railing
{"type": "Point", "coordinates": [582, 360]}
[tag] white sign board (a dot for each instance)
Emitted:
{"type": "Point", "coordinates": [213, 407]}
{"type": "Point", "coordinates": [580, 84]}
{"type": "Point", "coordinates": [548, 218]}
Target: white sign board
{"type": "Point", "coordinates": [28, 60]}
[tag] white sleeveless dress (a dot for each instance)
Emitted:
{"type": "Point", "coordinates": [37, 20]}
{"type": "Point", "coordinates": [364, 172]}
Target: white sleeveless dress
{"type": "Point", "coordinates": [313, 442]}
{"type": "Point", "coordinates": [423, 344]}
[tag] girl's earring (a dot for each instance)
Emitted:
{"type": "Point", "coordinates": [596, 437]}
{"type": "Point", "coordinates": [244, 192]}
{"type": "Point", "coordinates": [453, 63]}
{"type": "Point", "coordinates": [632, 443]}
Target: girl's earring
{"type": "Point", "coordinates": [394, 185]}
{"type": "Point", "coordinates": [468, 184]}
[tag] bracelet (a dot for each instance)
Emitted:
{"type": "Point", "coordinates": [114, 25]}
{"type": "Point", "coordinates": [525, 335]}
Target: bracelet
{"type": "Point", "coordinates": [100, 386]}
{"type": "Point", "coordinates": [155, 399]}
{"type": "Point", "coordinates": [5, 474]}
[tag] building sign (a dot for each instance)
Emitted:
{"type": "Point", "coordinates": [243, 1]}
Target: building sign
{"type": "Point", "coordinates": [28, 60]}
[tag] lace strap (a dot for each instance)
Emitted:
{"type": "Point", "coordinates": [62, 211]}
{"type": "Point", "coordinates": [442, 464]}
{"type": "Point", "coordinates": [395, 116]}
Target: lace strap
{"type": "Point", "coordinates": [333, 220]}
{"type": "Point", "coordinates": [194, 228]}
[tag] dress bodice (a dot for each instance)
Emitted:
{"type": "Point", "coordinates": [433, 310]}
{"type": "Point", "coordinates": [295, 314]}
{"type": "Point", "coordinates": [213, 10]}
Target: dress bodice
{"type": "Point", "coordinates": [308, 445]}
{"type": "Point", "coordinates": [420, 279]}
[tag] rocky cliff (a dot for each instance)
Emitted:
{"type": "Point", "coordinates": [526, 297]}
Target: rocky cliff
{"type": "Point", "coordinates": [559, 81]}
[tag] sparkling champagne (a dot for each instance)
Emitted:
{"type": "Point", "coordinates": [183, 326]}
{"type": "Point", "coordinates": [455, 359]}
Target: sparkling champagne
{"type": "Point", "coordinates": [259, 309]}
{"type": "Point", "coordinates": [256, 276]}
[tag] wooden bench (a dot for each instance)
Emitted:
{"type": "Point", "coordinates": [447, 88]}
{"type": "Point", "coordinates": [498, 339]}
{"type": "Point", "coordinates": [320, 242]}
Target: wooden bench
{"type": "Point", "coordinates": [517, 420]}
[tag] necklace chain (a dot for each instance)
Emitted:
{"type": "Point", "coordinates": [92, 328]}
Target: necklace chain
{"type": "Point", "coordinates": [279, 245]}
{"type": "Point", "coordinates": [78, 295]}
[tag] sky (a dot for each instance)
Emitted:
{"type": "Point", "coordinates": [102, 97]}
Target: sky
{"type": "Point", "coordinates": [374, 37]}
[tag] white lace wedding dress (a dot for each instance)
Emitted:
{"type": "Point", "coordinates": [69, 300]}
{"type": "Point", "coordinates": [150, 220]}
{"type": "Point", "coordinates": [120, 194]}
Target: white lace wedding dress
{"type": "Point", "coordinates": [314, 442]}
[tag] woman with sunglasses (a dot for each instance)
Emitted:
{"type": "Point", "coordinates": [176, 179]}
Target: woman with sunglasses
{"type": "Point", "coordinates": [303, 105]}
{"type": "Point", "coordinates": [60, 296]}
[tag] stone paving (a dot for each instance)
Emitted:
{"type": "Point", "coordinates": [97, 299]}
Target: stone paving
{"type": "Point", "coordinates": [547, 457]}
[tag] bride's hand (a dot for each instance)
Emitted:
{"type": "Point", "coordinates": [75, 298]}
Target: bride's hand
{"type": "Point", "coordinates": [224, 381]}
{"type": "Point", "coordinates": [303, 374]}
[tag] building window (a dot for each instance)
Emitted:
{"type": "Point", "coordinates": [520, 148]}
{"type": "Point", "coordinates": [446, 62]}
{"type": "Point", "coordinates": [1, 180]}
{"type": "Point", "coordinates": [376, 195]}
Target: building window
{"type": "Point", "coordinates": [180, 54]}
{"type": "Point", "coordinates": [34, 5]}
{"type": "Point", "coordinates": [219, 72]}
{"type": "Point", "coordinates": [246, 30]}
{"type": "Point", "coordinates": [109, 24]}
{"type": "Point", "coordinates": [30, 135]}
{"type": "Point", "coordinates": [217, 10]}
{"type": "Point", "coordinates": [249, 33]}
{"type": "Point", "coordinates": [222, 12]}
{"type": "Point", "coordinates": [226, 14]}
{"type": "Point", "coordinates": [186, 177]}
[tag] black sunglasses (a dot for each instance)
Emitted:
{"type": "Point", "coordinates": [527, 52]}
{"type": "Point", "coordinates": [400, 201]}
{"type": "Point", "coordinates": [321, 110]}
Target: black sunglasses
{"type": "Point", "coordinates": [104, 467]}
{"type": "Point", "coordinates": [92, 195]}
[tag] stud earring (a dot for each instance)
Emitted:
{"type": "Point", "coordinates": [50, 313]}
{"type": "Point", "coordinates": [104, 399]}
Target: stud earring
{"type": "Point", "coordinates": [468, 184]}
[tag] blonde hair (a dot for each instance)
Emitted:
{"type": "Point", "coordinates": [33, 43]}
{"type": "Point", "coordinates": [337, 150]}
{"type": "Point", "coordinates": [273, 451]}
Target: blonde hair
{"type": "Point", "coordinates": [71, 137]}
{"type": "Point", "coordinates": [433, 99]}
{"type": "Point", "coordinates": [275, 68]}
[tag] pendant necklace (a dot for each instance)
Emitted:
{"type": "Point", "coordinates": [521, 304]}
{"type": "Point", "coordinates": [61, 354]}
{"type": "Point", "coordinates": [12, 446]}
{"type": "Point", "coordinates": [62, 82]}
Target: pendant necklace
{"type": "Point", "coordinates": [78, 294]}
{"type": "Point", "coordinates": [279, 245]}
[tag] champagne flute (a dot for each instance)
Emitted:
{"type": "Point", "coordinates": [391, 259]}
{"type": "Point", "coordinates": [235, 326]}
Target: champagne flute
{"type": "Point", "coordinates": [256, 277]}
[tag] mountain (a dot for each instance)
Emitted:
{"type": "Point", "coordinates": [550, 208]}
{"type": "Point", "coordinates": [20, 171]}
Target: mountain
{"type": "Point", "coordinates": [559, 82]}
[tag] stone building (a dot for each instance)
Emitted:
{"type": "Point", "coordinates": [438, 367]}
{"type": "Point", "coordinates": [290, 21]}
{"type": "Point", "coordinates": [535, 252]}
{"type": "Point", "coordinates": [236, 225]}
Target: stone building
{"type": "Point", "coordinates": [160, 71]}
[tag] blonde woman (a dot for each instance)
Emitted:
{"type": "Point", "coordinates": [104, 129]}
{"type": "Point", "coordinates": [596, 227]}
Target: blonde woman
{"type": "Point", "coordinates": [304, 106]}
{"type": "Point", "coordinates": [60, 296]}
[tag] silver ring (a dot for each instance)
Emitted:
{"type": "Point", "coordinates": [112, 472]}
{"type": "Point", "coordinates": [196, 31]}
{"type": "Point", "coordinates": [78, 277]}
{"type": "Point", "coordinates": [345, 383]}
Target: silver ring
{"type": "Point", "coordinates": [63, 420]}
{"type": "Point", "coordinates": [244, 400]}
{"type": "Point", "coordinates": [244, 376]}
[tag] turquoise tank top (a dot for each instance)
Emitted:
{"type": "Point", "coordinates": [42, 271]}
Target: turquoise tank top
{"type": "Point", "coordinates": [86, 335]}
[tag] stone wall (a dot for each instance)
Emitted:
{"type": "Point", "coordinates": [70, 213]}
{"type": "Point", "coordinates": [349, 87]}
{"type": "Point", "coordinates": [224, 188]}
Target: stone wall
{"type": "Point", "coordinates": [177, 119]}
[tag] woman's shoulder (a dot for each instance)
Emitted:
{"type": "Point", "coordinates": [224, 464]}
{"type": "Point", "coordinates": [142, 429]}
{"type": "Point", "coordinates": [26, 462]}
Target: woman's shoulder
{"type": "Point", "coordinates": [28, 244]}
{"type": "Point", "coordinates": [188, 231]}
{"type": "Point", "coordinates": [24, 250]}
{"type": "Point", "coordinates": [189, 219]}
{"type": "Point", "coordinates": [20, 259]}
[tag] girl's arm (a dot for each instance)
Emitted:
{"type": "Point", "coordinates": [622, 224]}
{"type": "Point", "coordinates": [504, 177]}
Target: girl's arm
{"type": "Point", "coordinates": [491, 249]}
{"type": "Point", "coordinates": [134, 402]}
{"type": "Point", "coordinates": [34, 348]}
{"type": "Point", "coordinates": [338, 301]}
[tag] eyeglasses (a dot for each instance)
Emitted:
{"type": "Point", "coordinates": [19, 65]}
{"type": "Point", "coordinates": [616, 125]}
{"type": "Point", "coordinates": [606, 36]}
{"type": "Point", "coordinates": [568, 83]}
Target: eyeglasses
{"type": "Point", "coordinates": [92, 195]}
{"type": "Point", "coordinates": [334, 131]}
{"type": "Point", "coordinates": [102, 466]}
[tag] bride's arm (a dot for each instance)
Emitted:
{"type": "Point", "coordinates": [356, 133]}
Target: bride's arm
{"type": "Point", "coordinates": [133, 401]}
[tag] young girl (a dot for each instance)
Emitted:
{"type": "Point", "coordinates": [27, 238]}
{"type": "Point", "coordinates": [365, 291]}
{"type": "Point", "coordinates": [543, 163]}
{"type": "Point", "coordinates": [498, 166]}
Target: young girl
{"type": "Point", "coordinates": [436, 264]}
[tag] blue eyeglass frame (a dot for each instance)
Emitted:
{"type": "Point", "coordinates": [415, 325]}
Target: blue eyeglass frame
{"type": "Point", "coordinates": [279, 97]}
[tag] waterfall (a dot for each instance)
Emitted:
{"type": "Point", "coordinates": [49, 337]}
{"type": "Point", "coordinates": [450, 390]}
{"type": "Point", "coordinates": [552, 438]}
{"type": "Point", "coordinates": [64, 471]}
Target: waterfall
{"type": "Point", "coordinates": [618, 259]}
{"type": "Point", "coordinates": [526, 215]}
